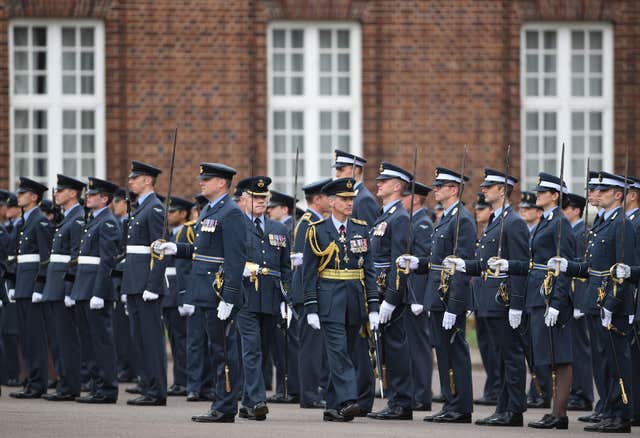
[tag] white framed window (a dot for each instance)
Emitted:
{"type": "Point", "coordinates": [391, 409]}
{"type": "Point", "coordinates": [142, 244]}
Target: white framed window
{"type": "Point", "coordinates": [314, 91]}
{"type": "Point", "coordinates": [566, 90]}
{"type": "Point", "coordinates": [57, 104]}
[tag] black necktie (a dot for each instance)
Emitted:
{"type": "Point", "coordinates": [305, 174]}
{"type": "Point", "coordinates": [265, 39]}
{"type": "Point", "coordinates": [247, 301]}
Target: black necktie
{"type": "Point", "coordinates": [258, 227]}
{"type": "Point", "coordinates": [342, 230]}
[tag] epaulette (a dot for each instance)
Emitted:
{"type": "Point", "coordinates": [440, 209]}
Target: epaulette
{"type": "Point", "coordinates": [359, 222]}
{"type": "Point", "coordinates": [306, 217]}
{"type": "Point", "coordinates": [319, 221]}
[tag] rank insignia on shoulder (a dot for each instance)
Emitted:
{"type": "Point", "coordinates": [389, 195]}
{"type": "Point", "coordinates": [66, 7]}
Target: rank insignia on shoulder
{"type": "Point", "coordinates": [358, 246]}
{"type": "Point", "coordinates": [455, 210]}
{"type": "Point", "coordinates": [392, 209]}
{"type": "Point", "coordinates": [158, 209]}
{"type": "Point", "coordinates": [550, 216]}
{"type": "Point", "coordinates": [278, 240]}
{"type": "Point", "coordinates": [110, 225]}
{"type": "Point", "coordinates": [44, 223]}
{"type": "Point", "coordinates": [423, 226]}
{"type": "Point", "coordinates": [358, 221]}
{"type": "Point", "coordinates": [208, 225]}
{"type": "Point", "coordinates": [632, 217]}
{"type": "Point", "coordinates": [379, 229]}
{"type": "Point", "coordinates": [614, 215]}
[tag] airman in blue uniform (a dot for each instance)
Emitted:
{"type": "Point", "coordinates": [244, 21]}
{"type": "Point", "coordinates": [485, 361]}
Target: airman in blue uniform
{"type": "Point", "coordinates": [340, 293]}
{"type": "Point", "coordinates": [34, 242]}
{"type": "Point", "coordinates": [57, 290]}
{"type": "Point", "coordinates": [142, 282]}
{"type": "Point", "coordinates": [501, 297]}
{"type": "Point", "coordinates": [219, 255]}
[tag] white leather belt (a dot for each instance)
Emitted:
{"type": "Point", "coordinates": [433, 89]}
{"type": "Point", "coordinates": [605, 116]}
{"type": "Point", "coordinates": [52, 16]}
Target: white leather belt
{"type": "Point", "coordinates": [59, 258]}
{"type": "Point", "coordinates": [11, 258]}
{"type": "Point", "coordinates": [28, 258]}
{"type": "Point", "coordinates": [138, 249]}
{"type": "Point", "coordinates": [169, 271]}
{"type": "Point", "coordinates": [88, 260]}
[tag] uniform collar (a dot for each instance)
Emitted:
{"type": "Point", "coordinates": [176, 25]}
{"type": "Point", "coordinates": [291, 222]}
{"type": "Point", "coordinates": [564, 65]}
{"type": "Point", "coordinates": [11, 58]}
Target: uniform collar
{"type": "Point", "coordinates": [215, 201]}
{"type": "Point", "coordinates": [253, 219]}
{"type": "Point", "coordinates": [451, 207]}
{"type": "Point", "coordinates": [630, 212]}
{"type": "Point", "coordinates": [608, 214]}
{"type": "Point", "coordinates": [66, 212]}
{"type": "Point", "coordinates": [28, 213]}
{"type": "Point", "coordinates": [576, 223]}
{"type": "Point", "coordinates": [142, 198]}
{"type": "Point", "coordinates": [547, 213]}
{"type": "Point", "coordinates": [97, 212]}
{"type": "Point", "coordinates": [285, 219]}
{"type": "Point", "coordinates": [337, 223]}
{"type": "Point", "coordinates": [176, 229]}
{"type": "Point", "coordinates": [318, 215]}
{"type": "Point", "coordinates": [388, 206]}
{"type": "Point", "coordinates": [498, 211]}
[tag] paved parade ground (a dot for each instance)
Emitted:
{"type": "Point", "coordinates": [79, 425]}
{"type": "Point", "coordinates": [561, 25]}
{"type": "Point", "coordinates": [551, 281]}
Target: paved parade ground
{"type": "Point", "coordinates": [39, 418]}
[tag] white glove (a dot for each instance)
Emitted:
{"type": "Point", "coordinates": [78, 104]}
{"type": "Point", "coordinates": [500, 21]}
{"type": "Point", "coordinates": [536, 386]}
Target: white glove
{"type": "Point", "coordinates": [551, 317]}
{"type": "Point", "coordinates": [454, 263]}
{"type": "Point", "coordinates": [123, 298]}
{"type": "Point", "coordinates": [405, 259]}
{"type": "Point", "coordinates": [386, 310]}
{"type": "Point", "coordinates": [286, 313]}
{"type": "Point", "coordinates": [515, 318]}
{"type": "Point", "coordinates": [577, 314]}
{"type": "Point", "coordinates": [36, 297]}
{"type": "Point", "coordinates": [96, 303]}
{"type": "Point", "coordinates": [1, 304]}
{"type": "Point", "coordinates": [606, 319]}
{"type": "Point", "coordinates": [623, 271]}
{"type": "Point", "coordinates": [68, 302]}
{"type": "Point", "coordinates": [499, 265]}
{"type": "Point", "coordinates": [246, 272]}
{"type": "Point", "coordinates": [296, 259]}
{"type": "Point", "coordinates": [554, 262]}
{"type": "Point", "coordinates": [448, 320]}
{"type": "Point", "coordinates": [374, 321]}
{"type": "Point", "coordinates": [631, 318]}
{"type": "Point", "coordinates": [313, 321]}
{"type": "Point", "coordinates": [149, 296]}
{"type": "Point", "coordinates": [167, 248]}
{"type": "Point", "coordinates": [11, 293]}
{"type": "Point", "coordinates": [417, 309]}
{"type": "Point", "coordinates": [188, 309]}
{"type": "Point", "coordinates": [224, 310]}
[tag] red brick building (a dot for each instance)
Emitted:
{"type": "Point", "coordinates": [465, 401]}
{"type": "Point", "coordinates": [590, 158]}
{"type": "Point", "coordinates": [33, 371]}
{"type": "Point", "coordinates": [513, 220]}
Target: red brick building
{"type": "Point", "coordinates": [86, 86]}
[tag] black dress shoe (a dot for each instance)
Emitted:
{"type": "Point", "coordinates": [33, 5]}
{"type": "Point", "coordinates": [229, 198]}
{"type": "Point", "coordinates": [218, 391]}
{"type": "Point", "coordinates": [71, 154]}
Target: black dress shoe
{"type": "Point", "coordinates": [214, 416]}
{"type": "Point", "coordinates": [579, 405]}
{"type": "Point", "coordinates": [86, 387]}
{"type": "Point", "coordinates": [612, 425]}
{"type": "Point", "coordinates": [635, 422]}
{"type": "Point", "coordinates": [14, 383]}
{"type": "Point", "coordinates": [177, 391]}
{"type": "Point", "coordinates": [96, 399]}
{"type": "Point", "coordinates": [208, 396]}
{"type": "Point", "coordinates": [194, 396]}
{"type": "Point", "coordinates": [314, 405]}
{"type": "Point", "coordinates": [392, 413]}
{"type": "Point", "coordinates": [350, 409]}
{"type": "Point", "coordinates": [538, 403]}
{"type": "Point", "coordinates": [438, 398]}
{"type": "Point", "coordinates": [486, 401]}
{"type": "Point", "coordinates": [453, 417]}
{"type": "Point", "coordinates": [60, 397]}
{"type": "Point", "coordinates": [483, 421]}
{"type": "Point", "coordinates": [334, 415]}
{"type": "Point", "coordinates": [422, 407]}
{"type": "Point", "coordinates": [134, 390]}
{"type": "Point", "coordinates": [124, 377]}
{"type": "Point", "coordinates": [549, 421]}
{"type": "Point", "coordinates": [506, 419]}
{"type": "Point", "coordinates": [591, 418]}
{"type": "Point", "coordinates": [258, 412]}
{"type": "Point", "coordinates": [26, 394]}
{"type": "Point", "coordinates": [429, 418]}
{"type": "Point", "coordinates": [51, 384]}
{"type": "Point", "coordinates": [280, 398]}
{"type": "Point", "coordinates": [144, 400]}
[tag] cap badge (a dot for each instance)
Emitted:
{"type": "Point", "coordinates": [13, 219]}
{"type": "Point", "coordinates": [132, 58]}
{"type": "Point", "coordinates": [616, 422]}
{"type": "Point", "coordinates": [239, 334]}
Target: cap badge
{"type": "Point", "coordinates": [201, 170]}
{"type": "Point", "coordinates": [91, 183]}
{"type": "Point", "coordinates": [600, 177]}
{"type": "Point", "coordinates": [260, 183]}
{"type": "Point", "coordinates": [435, 173]}
{"type": "Point", "coordinates": [381, 168]}
{"type": "Point", "coordinates": [539, 180]}
{"type": "Point", "coordinates": [349, 184]}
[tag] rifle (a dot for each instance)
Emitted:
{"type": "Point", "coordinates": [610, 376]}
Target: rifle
{"type": "Point", "coordinates": [586, 211]}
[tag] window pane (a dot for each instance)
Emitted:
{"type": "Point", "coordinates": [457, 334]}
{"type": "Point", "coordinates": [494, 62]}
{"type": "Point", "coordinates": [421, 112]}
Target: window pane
{"type": "Point", "coordinates": [343, 39]}
{"type": "Point", "coordinates": [68, 84]}
{"type": "Point", "coordinates": [532, 145]}
{"type": "Point", "coordinates": [279, 144]}
{"type": "Point", "coordinates": [40, 119]}
{"type": "Point", "coordinates": [69, 166]}
{"type": "Point", "coordinates": [549, 166]}
{"type": "Point", "coordinates": [86, 37]}
{"type": "Point", "coordinates": [344, 142]}
{"type": "Point", "coordinates": [595, 121]}
{"type": "Point", "coordinates": [21, 84]}
{"type": "Point", "coordinates": [595, 63]}
{"type": "Point", "coordinates": [280, 167]}
{"type": "Point", "coordinates": [578, 167]}
{"type": "Point", "coordinates": [40, 60]}
{"type": "Point", "coordinates": [549, 63]}
{"type": "Point", "coordinates": [68, 119]}
{"type": "Point", "coordinates": [595, 40]}
{"type": "Point", "coordinates": [532, 167]}
{"type": "Point", "coordinates": [88, 119]}
{"type": "Point", "coordinates": [595, 144]}
{"type": "Point", "coordinates": [22, 166]}
{"type": "Point", "coordinates": [21, 119]}
{"type": "Point", "coordinates": [278, 40]}
{"type": "Point", "coordinates": [279, 121]}
{"type": "Point", "coordinates": [577, 86]}
{"type": "Point", "coordinates": [278, 86]}
{"type": "Point", "coordinates": [325, 120]}
{"type": "Point", "coordinates": [549, 39]}
{"type": "Point", "coordinates": [20, 36]}
{"type": "Point", "coordinates": [21, 143]}
{"type": "Point", "coordinates": [532, 86]}
{"type": "Point", "coordinates": [344, 86]}
{"type": "Point", "coordinates": [297, 120]}
{"type": "Point", "coordinates": [577, 64]}
{"type": "Point", "coordinates": [297, 143]}
{"type": "Point", "coordinates": [343, 63]}
{"type": "Point", "coordinates": [86, 85]}
{"type": "Point", "coordinates": [68, 61]}
{"type": "Point", "coordinates": [577, 144]}
{"type": "Point", "coordinates": [532, 121]}
{"type": "Point", "coordinates": [325, 144]}
{"type": "Point", "coordinates": [532, 63]}
{"type": "Point", "coordinates": [549, 121]}
{"type": "Point", "coordinates": [549, 144]}
{"type": "Point", "coordinates": [86, 61]}
{"type": "Point", "coordinates": [297, 86]}
{"type": "Point", "coordinates": [39, 36]}
{"type": "Point", "coordinates": [577, 40]}
{"type": "Point", "coordinates": [88, 143]}
{"type": "Point", "coordinates": [68, 143]}
{"type": "Point", "coordinates": [577, 121]}
{"type": "Point", "coordinates": [297, 62]}
{"type": "Point", "coordinates": [595, 87]}
{"type": "Point", "coordinates": [40, 167]}
{"type": "Point", "coordinates": [344, 120]}
{"type": "Point", "coordinates": [40, 143]}
{"type": "Point", "coordinates": [325, 86]}
{"type": "Point", "coordinates": [531, 38]}
{"type": "Point", "coordinates": [88, 167]}
{"type": "Point", "coordinates": [549, 87]}
{"type": "Point", "coordinates": [278, 62]}
{"type": "Point", "coordinates": [325, 63]}
{"type": "Point", "coordinates": [68, 37]}
{"type": "Point", "coordinates": [297, 40]}
{"type": "Point", "coordinates": [40, 84]}
{"type": "Point", "coordinates": [325, 39]}
{"type": "Point", "coordinates": [20, 61]}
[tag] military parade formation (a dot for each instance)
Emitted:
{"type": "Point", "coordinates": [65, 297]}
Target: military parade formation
{"type": "Point", "coordinates": [346, 300]}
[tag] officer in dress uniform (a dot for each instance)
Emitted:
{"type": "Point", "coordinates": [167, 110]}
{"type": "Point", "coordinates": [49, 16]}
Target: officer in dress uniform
{"type": "Point", "coordinates": [4, 299]}
{"type": "Point", "coordinates": [389, 237]}
{"type": "Point", "coordinates": [489, 353]}
{"type": "Point", "coordinates": [340, 293]}
{"type": "Point", "coordinates": [312, 353]}
{"type": "Point", "coordinates": [57, 290]}
{"type": "Point", "coordinates": [280, 210]}
{"type": "Point", "coordinates": [500, 297]}
{"type": "Point", "coordinates": [10, 320]}
{"type": "Point", "coordinates": [365, 206]}
{"type": "Point", "coordinates": [219, 256]}
{"type": "Point", "coordinates": [581, 398]}
{"type": "Point", "coordinates": [448, 298]}
{"type": "Point", "coordinates": [418, 323]}
{"type": "Point", "coordinates": [548, 297]}
{"type": "Point", "coordinates": [174, 312]}
{"type": "Point", "coordinates": [94, 293]}
{"type": "Point", "coordinates": [605, 249]}
{"type": "Point", "coordinates": [529, 211]}
{"type": "Point", "coordinates": [144, 285]}
{"type": "Point", "coordinates": [34, 241]}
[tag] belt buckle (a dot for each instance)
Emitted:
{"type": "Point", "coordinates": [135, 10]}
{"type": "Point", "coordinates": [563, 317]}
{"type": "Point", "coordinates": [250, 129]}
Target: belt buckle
{"type": "Point", "coordinates": [264, 271]}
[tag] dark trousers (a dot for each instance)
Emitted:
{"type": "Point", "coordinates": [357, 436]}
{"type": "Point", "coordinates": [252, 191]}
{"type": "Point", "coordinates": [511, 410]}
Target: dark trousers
{"type": "Point", "coordinates": [290, 350]}
{"type": "Point", "coordinates": [342, 386]}
{"type": "Point", "coordinates": [617, 346]}
{"type": "Point", "coordinates": [125, 350]}
{"type": "Point", "coordinates": [256, 331]}
{"type": "Point", "coordinates": [10, 332]}
{"type": "Point", "coordinates": [490, 356]}
{"type": "Point", "coordinates": [200, 370]}
{"type": "Point", "coordinates": [65, 322]}
{"type": "Point", "coordinates": [597, 341]}
{"type": "Point", "coordinates": [543, 372]}
{"type": "Point", "coordinates": [582, 383]}
{"type": "Point", "coordinates": [359, 353]}
{"type": "Point", "coordinates": [102, 348]}
{"type": "Point", "coordinates": [177, 331]}
{"type": "Point", "coordinates": [310, 360]}
{"type": "Point", "coordinates": [145, 318]}
{"type": "Point", "coordinates": [33, 339]}
{"type": "Point", "coordinates": [635, 365]}
{"type": "Point", "coordinates": [512, 363]}
{"type": "Point", "coordinates": [397, 359]}
{"type": "Point", "coordinates": [53, 343]}
{"type": "Point", "coordinates": [453, 355]}
{"type": "Point", "coordinates": [223, 335]}
{"type": "Point", "coordinates": [421, 352]}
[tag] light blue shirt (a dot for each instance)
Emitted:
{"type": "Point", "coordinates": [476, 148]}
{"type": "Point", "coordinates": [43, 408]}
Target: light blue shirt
{"type": "Point", "coordinates": [98, 211]}
{"type": "Point", "coordinates": [576, 223]}
{"type": "Point", "coordinates": [253, 220]}
{"type": "Point", "coordinates": [27, 214]}
{"type": "Point", "coordinates": [66, 212]}
{"type": "Point", "coordinates": [451, 207]}
{"type": "Point", "coordinates": [316, 213]}
{"type": "Point", "coordinates": [630, 212]}
{"type": "Point", "coordinates": [548, 212]}
{"type": "Point", "coordinates": [285, 219]}
{"type": "Point", "coordinates": [176, 229]}
{"type": "Point", "coordinates": [141, 198]}
{"type": "Point", "coordinates": [338, 224]}
{"type": "Point", "coordinates": [215, 201]}
{"type": "Point", "coordinates": [608, 214]}
{"type": "Point", "coordinates": [387, 207]}
{"type": "Point", "coordinates": [498, 211]}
